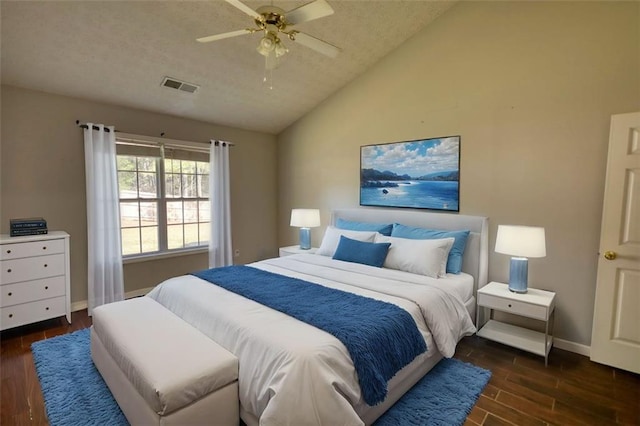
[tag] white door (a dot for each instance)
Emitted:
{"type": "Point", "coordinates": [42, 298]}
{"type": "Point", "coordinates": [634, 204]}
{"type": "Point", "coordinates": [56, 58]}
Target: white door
{"type": "Point", "coordinates": [615, 339]}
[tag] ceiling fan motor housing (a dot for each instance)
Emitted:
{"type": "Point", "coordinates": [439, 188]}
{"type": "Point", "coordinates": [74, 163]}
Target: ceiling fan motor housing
{"type": "Point", "coordinates": [272, 16]}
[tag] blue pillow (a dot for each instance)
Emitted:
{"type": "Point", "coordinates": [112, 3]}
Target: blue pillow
{"type": "Point", "coordinates": [383, 228]}
{"type": "Point", "coordinates": [372, 254]}
{"type": "Point", "coordinates": [454, 261]}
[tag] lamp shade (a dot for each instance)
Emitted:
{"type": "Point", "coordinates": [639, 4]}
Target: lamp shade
{"type": "Point", "coordinates": [521, 241]}
{"type": "Point", "coordinates": [305, 218]}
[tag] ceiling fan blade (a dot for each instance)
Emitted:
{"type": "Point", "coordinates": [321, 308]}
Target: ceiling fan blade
{"type": "Point", "coordinates": [246, 9]}
{"type": "Point", "coordinates": [316, 44]}
{"type": "Point", "coordinates": [223, 35]}
{"type": "Point", "coordinates": [308, 12]}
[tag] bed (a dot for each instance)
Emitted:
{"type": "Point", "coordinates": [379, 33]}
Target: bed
{"type": "Point", "coordinates": [294, 373]}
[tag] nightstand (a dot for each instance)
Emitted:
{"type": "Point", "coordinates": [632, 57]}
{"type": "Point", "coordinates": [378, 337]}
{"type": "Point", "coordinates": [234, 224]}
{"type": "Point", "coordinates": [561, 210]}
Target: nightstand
{"type": "Point", "coordinates": [536, 304]}
{"type": "Point", "coordinates": [287, 251]}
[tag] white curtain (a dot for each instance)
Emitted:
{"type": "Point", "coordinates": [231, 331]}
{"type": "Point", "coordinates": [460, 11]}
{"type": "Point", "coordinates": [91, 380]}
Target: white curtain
{"type": "Point", "coordinates": [105, 282]}
{"type": "Point", "coordinates": [220, 250]}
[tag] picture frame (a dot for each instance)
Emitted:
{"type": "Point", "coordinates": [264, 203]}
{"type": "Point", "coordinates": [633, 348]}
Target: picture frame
{"type": "Point", "coordinates": [421, 174]}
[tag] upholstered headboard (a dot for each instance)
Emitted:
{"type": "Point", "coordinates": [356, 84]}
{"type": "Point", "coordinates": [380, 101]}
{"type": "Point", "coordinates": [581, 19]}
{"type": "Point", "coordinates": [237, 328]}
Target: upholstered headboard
{"type": "Point", "coordinates": [476, 254]}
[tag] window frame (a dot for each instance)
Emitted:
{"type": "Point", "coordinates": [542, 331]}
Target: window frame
{"type": "Point", "coordinates": [161, 196]}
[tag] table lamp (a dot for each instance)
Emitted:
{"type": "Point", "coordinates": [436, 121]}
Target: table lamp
{"type": "Point", "coordinates": [305, 219]}
{"type": "Point", "coordinates": [521, 242]}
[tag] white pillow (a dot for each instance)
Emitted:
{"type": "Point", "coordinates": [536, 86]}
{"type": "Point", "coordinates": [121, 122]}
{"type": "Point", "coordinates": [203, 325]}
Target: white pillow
{"type": "Point", "coordinates": [424, 257]}
{"type": "Point", "coordinates": [332, 238]}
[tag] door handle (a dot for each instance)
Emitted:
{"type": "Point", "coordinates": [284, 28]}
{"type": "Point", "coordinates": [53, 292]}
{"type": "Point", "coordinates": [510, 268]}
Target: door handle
{"type": "Point", "coordinates": [610, 255]}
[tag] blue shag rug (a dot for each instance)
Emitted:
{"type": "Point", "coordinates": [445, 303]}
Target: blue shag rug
{"type": "Point", "coordinates": [75, 394]}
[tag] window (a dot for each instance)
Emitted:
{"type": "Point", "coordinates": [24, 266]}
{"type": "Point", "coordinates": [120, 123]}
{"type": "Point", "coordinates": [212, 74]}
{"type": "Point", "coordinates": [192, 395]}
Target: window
{"type": "Point", "coordinates": [164, 198]}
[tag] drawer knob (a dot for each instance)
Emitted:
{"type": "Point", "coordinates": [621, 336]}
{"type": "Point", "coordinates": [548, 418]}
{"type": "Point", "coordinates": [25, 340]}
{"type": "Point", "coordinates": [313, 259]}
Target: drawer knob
{"type": "Point", "coordinates": [10, 294]}
{"type": "Point", "coordinates": [45, 265]}
{"type": "Point", "coordinates": [8, 270]}
{"type": "Point", "coordinates": [8, 251]}
{"type": "Point", "coordinates": [44, 248]}
{"type": "Point", "coordinates": [10, 315]}
{"type": "Point", "coordinates": [47, 308]}
{"type": "Point", "coordinates": [46, 287]}
{"type": "Point", "coordinates": [509, 304]}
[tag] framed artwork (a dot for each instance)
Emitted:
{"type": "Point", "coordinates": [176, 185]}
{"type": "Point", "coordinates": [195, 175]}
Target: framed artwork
{"type": "Point", "coordinates": [423, 174]}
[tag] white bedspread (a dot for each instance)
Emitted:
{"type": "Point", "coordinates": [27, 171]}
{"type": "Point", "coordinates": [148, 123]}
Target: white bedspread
{"type": "Point", "coordinates": [295, 374]}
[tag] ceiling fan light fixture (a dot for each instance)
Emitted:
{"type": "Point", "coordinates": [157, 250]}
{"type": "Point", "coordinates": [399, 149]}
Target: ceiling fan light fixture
{"type": "Point", "coordinates": [281, 49]}
{"type": "Point", "coordinates": [267, 44]}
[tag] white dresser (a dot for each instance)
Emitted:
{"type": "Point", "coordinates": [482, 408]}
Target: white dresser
{"type": "Point", "coordinates": [35, 278]}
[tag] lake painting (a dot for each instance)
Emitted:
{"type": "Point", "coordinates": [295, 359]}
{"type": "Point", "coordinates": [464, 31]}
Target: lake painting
{"type": "Point", "coordinates": [422, 174]}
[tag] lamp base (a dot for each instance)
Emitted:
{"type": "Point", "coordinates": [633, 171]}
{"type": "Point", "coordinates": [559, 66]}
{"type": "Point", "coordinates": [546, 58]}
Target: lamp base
{"type": "Point", "coordinates": [518, 271]}
{"type": "Point", "coordinates": [305, 238]}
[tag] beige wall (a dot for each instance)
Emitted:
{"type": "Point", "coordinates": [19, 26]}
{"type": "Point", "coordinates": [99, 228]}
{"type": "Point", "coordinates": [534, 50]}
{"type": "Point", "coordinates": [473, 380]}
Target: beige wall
{"type": "Point", "coordinates": [43, 175]}
{"type": "Point", "coordinates": [530, 87]}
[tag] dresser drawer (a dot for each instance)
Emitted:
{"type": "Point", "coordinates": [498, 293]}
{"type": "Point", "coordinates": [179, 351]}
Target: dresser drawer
{"type": "Point", "coordinates": [34, 248]}
{"type": "Point", "coordinates": [514, 306]}
{"type": "Point", "coordinates": [30, 291]}
{"type": "Point", "coordinates": [33, 268]}
{"type": "Point", "coordinates": [26, 313]}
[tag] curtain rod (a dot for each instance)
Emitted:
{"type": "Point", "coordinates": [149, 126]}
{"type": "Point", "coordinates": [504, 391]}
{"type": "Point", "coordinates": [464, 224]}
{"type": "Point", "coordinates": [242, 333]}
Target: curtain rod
{"type": "Point", "coordinates": [85, 126]}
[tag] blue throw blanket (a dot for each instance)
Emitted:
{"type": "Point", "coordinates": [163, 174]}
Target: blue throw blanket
{"type": "Point", "coordinates": [380, 337]}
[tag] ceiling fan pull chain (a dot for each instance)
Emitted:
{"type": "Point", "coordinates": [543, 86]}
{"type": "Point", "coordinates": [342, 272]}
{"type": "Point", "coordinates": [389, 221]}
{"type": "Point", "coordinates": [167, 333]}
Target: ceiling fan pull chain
{"type": "Point", "coordinates": [268, 73]}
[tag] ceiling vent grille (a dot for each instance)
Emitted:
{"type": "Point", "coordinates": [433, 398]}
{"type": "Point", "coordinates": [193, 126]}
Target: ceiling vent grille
{"type": "Point", "coordinates": [179, 85]}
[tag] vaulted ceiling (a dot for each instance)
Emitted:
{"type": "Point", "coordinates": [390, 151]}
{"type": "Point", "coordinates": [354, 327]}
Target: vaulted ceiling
{"type": "Point", "coordinates": [119, 52]}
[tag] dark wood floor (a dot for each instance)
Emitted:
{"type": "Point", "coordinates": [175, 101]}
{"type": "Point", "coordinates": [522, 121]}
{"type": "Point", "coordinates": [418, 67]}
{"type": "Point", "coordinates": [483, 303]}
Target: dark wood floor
{"type": "Point", "coordinates": [571, 391]}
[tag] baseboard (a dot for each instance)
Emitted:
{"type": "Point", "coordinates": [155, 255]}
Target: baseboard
{"type": "Point", "coordinates": [83, 304]}
{"type": "Point", "coordinates": [572, 346]}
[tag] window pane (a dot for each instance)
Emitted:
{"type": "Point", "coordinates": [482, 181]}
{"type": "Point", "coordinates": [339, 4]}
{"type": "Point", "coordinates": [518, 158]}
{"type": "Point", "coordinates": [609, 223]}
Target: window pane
{"type": "Point", "coordinates": [191, 235]}
{"type": "Point", "coordinates": [174, 212]}
{"type": "Point", "coordinates": [189, 167]}
{"type": "Point", "coordinates": [127, 185]}
{"type": "Point", "coordinates": [204, 212]}
{"type": "Point", "coordinates": [174, 236]}
{"type": "Point", "coordinates": [148, 213]}
{"type": "Point", "coordinates": [190, 212]}
{"type": "Point", "coordinates": [130, 241]}
{"type": "Point", "coordinates": [171, 166]}
{"type": "Point", "coordinates": [129, 215]}
{"type": "Point", "coordinates": [126, 162]}
{"type": "Point", "coordinates": [189, 186]}
{"type": "Point", "coordinates": [146, 164]}
{"type": "Point", "coordinates": [172, 186]}
{"type": "Point", "coordinates": [150, 239]}
{"type": "Point", "coordinates": [203, 186]}
{"type": "Point", "coordinates": [147, 185]}
{"type": "Point", "coordinates": [186, 184]}
{"type": "Point", "coordinates": [203, 168]}
{"type": "Point", "coordinates": [204, 233]}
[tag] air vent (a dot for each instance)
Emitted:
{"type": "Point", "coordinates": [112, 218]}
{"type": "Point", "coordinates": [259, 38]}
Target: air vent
{"type": "Point", "coordinates": [179, 85]}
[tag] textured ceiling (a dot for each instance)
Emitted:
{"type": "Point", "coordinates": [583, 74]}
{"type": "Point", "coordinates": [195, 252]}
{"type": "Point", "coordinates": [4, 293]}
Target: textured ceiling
{"type": "Point", "coordinates": [118, 52]}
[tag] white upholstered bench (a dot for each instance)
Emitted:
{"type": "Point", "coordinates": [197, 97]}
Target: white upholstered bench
{"type": "Point", "coordinates": [162, 370]}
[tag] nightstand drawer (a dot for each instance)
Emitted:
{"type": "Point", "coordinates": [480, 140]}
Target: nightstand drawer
{"type": "Point", "coordinates": [288, 251]}
{"type": "Point", "coordinates": [513, 306]}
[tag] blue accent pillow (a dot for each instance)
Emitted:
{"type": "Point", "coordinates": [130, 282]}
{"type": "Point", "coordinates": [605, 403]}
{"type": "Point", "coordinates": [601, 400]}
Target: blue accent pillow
{"type": "Point", "coordinates": [383, 228]}
{"type": "Point", "coordinates": [454, 261]}
{"type": "Point", "coordinates": [372, 254]}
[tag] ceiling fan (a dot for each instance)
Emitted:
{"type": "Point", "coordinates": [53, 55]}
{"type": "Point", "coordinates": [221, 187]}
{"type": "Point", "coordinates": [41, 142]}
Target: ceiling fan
{"type": "Point", "coordinates": [273, 23]}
